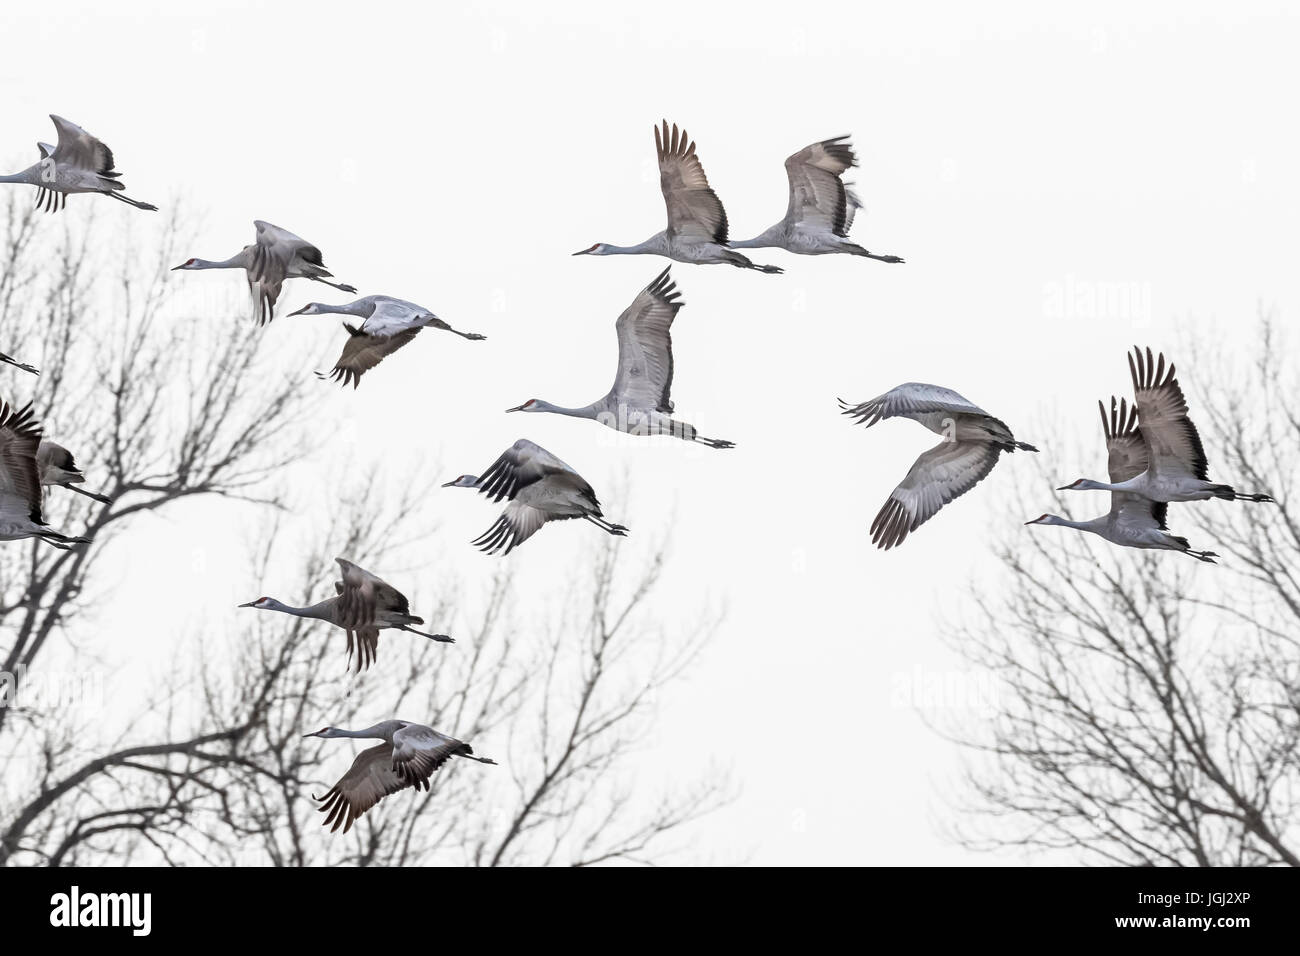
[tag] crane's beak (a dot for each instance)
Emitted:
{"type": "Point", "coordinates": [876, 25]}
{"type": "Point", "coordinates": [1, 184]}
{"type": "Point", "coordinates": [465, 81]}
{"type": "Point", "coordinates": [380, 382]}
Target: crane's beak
{"type": "Point", "coordinates": [583, 252]}
{"type": "Point", "coordinates": [249, 604]}
{"type": "Point", "coordinates": [449, 484]}
{"type": "Point", "coordinates": [301, 311]}
{"type": "Point", "coordinates": [181, 266]}
{"type": "Point", "coordinates": [517, 408]}
{"type": "Point", "coordinates": [1065, 487]}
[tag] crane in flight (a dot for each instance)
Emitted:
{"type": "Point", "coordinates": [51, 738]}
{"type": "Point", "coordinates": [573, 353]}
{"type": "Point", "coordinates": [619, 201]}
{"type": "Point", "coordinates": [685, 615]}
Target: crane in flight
{"type": "Point", "coordinates": [973, 440]}
{"type": "Point", "coordinates": [362, 606]}
{"type": "Point", "coordinates": [21, 493]}
{"type": "Point", "coordinates": [1176, 468]}
{"type": "Point", "coordinates": [639, 402]}
{"type": "Point", "coordinates": [275, 255]}
{"type": "Point", "coordinates": [387, 324]}
{"type": "Point", "coordinates": [540, 488]}
{"type": "Point", "coordinates": [78, 163]}
{"type": "Point", "coordinates": [822, 205]}
{"type": "Point", "coordinates": [407, 757]}
{"type": "Point", "coordinates": [697, 223]}
{"type": "Point", "coordinates": [1134, 521]}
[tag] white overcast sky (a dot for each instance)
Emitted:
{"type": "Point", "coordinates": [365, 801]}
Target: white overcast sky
{"type": "Point", "coordinates": [1021, 157]}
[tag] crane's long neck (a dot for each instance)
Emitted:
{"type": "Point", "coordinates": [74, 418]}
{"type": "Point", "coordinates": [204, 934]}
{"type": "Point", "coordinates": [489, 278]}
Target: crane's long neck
{"type": "Point", "coordinates": [587, 411]}
{"type": "Point", "coordinates": [31, 176]}
{"type": "Point", "coordinates": [1093, 525]}
{"type": "Point", "coordinates": [655, 245]}
{"type": "Point", "coordinates": [238, 261]}
{"type": "Point", "coordinates": [380, 731]}
{"type": "Point", "coordinates": [321, 610]}
{"type": "Point", "coordinates": [1087, 484]}
{"type": "Point", "coordinates": [360, 308]}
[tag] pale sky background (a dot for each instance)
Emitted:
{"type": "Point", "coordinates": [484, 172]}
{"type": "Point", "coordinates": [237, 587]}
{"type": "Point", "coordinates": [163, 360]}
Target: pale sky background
{"type": "Point", "coordinates": [1021, 158]}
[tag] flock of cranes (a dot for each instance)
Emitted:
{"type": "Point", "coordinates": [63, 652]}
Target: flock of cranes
{"type": "Point", "coordinates": [1155, 453]}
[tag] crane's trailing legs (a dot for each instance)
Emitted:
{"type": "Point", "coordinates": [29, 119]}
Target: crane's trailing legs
{"type": "Point", "coordinates": [614, 529]}
{"type": "Point", "coordinates": [440, 638]}
{"type": "Point", "coordinates": [857, 250]}
{"type": "Point", "coordinates": [1229, 493]}
{"type": "Point", "coordinates": [341, 286]}
{"type": "Point", "coordinates": [150, 207]}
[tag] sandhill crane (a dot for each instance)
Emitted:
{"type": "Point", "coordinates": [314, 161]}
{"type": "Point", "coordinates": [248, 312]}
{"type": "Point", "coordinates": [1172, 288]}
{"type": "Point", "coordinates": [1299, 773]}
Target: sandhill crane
{"type": "Point", "coordinates": [363, 606]}
{"type": "Point", "coordinates": [541, 488]}
{"type": "Point", "coordinates": [697, 223]}
{"type": "Point", "coordinates": [57, 467]}
{"type": "Point", "coordinates": [17, 364]}
{"type": "Point", "coordinates": [639, 402]}
{"type": "Point", "coordinates": [20, 481]}
{"type": "Point", "coordinates": [1177, 469]}
{"type": "Point", "coordinates": [276, 255]}
{"type": "Point", "coordinates": [972, 441]}
{"type": "Point", "coordinates": [387, 325]}
{"type": "Point", "coordinates": [1133, 521]}
{"type": "Point", "coordinates": [822, 205]}
{"type": "Point", "coordinates": [408, 757]}
{"type": "Point", "coordinates": [80, 163]}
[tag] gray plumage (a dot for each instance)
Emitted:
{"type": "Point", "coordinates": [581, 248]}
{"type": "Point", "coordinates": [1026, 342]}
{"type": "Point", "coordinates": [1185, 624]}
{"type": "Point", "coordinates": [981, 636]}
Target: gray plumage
{"type": "Point", "coordinates": [972, 442]}
{"type": "Point", "coordinates": [640, 400]}
{"type": "Point", "coordinates": [364, 605]}
{"type": "Point", "coordinates": [821, 207]}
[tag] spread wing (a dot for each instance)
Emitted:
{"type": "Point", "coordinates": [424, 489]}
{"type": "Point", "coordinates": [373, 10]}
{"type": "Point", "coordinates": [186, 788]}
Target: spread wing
{"type": "Point", "coordinates": [909, 401]}
{"type": "Point", "coordinates": [694, 210]}
{"type": "Point", "coordinates": [371, 777]}
{"type": "Point", "coordinates": [364, 643]}
{"type": "Point", "coordinates": [78, 148]}
{"type": "Point", "coordinates": [20, 437]}
{"type": "Point", "coordinates": [364, 351]}
{"type": "Point", "coordinates": [946, 471]}
{"type": "Point", "coordinates": [818, 196]}
{"type": "Point", "coordinates": [517, 524]}
{"type": "Point", "coordinates": [523, 464]}
{"type": "Point", "coordinates": [1126, 455]}
{"type": "Point", "coordinates": [364, 595]}
{"type": "Point", "coordinates": [645, 347]}
{"type": "Point", "coordinates": [1173, 444]}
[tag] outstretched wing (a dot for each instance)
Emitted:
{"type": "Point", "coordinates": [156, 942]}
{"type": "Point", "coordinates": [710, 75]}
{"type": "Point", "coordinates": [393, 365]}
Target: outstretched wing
{"type": "Point", "coordinates": [517, 524]}
{"type": "Point", "coordinates": [20, 437]}
{"type": "Point", "coordinates": [78, 148]}
{"type": "Point", "coordinates": [909, 401]}
{"type": "Point", "coordinates": [818, 196]}
{"type": "Point", "coordinates": [946, 471]}
{"type": "Point", "coordinates": [645, 347]}
{"type": "Point", "coordinates": [1173, 444]}
{"type": "Point", "coordinates": [365, 594]}
{"type": "Point", "coordinates": [371, 777]}
{"type": "Point", "coordinates": [1126, 453]}
{"type": "Point", "coordinates": [363, 351]}
{"type": "Point", "coordinates": [1126, 457]}
{"type": "Point", "coordinates": [694, 210]}
{"type": "Point", "coordinates": [522, 464]}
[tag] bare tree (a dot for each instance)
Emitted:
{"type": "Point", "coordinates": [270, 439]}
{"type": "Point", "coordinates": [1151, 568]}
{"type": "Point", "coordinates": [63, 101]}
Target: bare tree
{"type": "Point", "coordinates": [1149, 710]}
{"type": "Point", "coordinates": [213, 768]}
